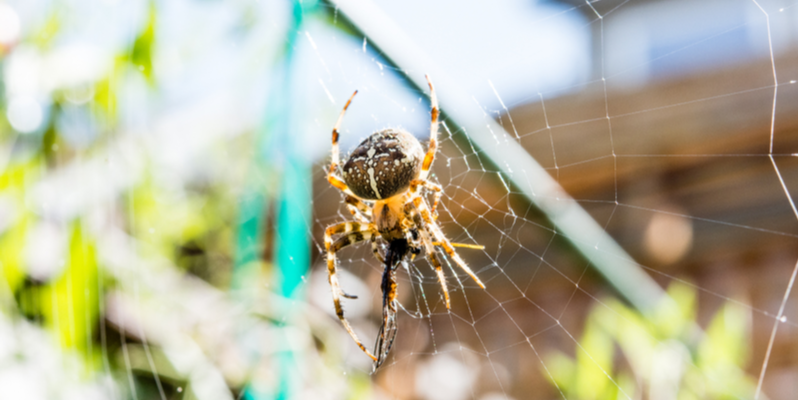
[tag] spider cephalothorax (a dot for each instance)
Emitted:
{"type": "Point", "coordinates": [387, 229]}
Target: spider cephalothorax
{"type": "Point", "coordinates": [382, 180]}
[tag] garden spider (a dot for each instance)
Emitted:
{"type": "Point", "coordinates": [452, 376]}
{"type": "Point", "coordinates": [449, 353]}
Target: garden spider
{"type": "Point", "coordinates": [381, 180]}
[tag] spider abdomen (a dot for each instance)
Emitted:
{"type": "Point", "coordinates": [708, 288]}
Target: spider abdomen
{"type": "Point", "coordinates": [384, 164]}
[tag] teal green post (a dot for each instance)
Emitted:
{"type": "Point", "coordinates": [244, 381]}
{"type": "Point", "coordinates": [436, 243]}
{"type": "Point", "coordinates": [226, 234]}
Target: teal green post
{"type": "Point", "coordinates": [292, 256]}
{"type": "Point", "coordinates": [280, 156]}
{"type": "Point", "coordinates": [294, 216]}
{"type": "Point", "coordinates": [249, 239]}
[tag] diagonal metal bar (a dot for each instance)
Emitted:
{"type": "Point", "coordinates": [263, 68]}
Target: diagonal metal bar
{"type": "Point", "coordinates": [571, 220]}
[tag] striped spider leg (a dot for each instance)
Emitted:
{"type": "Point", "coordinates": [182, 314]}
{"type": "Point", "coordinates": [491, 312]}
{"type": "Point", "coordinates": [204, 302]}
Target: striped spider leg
{"type": "Point", "coordinates": [436, 189]}
{"type": "Point", "coordinates": [433, 144]}
{"type": "Point", "coordinates": [361, 213]}
{"type": "Point", "coordinates": [429, 248]}
{"type": "Point", "coordinates": [354, 232]}
{"type": "Point", "coordinates": [333, 177]}
{"type": "Point", "coordinates": [423, 219]}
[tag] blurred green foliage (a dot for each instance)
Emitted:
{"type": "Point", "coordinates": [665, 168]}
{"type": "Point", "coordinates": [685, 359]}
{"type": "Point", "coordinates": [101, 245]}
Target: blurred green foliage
{"type": "Point", "coordinates": [624, 354]}
{"type": "Point", "coordinates": [142, 51]}
{"type": "Point", "coordinates": [69, 303]}
{"type": "Point", "coordinates": [12, 185]}
{"type": "Point", "coordinates": [193, 227]}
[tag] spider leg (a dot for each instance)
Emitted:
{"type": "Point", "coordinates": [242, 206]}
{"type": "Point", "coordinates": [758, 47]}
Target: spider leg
{"type": "Point", "coordinates": [357, 207]}
{"type": "Point", "coordinates": [355, 233]}
{"type": "Point", "coordinates": [413, 240]}
{"type": "Point", "coordinates": [445, 243]}
{"type": "Point", "coordinates": [335, 180]}
{"type": "Point", "coordinates": [361, 211]}
{"type": "Point", "coordinates": [335, 135]}
{"type": "Point", "coordinates": [430, 251]}
{"type": "Point", "coordinates": [432, 145]}
{"type": "Point", "coordinates": [376, 251]}
{"type": "Point", "coordinates": [338, 183]}
{"type": "Point", "coordinates": [436, 189]}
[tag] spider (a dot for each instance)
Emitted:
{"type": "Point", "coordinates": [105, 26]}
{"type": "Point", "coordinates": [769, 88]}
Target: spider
{"type": "Point", "coordinates": [381, 181]}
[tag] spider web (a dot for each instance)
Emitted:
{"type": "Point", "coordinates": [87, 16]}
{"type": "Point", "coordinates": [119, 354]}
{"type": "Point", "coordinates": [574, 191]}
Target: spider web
{"type": "Point", "coordinates": [496, 342]}
{"type": "Point", "coordinates": [672, 124]}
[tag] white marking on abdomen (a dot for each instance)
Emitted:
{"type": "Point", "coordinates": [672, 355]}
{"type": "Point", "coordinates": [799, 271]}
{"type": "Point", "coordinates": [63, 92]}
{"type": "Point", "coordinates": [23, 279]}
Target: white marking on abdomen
{"type": "Point", "coordinates": [372, 182]}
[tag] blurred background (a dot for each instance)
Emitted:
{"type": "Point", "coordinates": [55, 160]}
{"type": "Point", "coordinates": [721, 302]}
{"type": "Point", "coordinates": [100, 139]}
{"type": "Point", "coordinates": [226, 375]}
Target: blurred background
{"type": "Point", "coordinates": [630, 168]}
